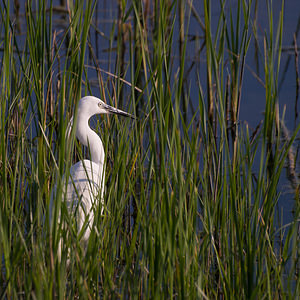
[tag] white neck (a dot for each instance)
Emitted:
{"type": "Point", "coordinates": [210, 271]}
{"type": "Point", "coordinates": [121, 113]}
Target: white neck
{"type": "Point", "coordinates": [90, 139]}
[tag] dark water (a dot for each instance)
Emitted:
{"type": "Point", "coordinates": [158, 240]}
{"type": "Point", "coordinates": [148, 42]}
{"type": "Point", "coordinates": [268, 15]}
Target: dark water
{"type": "Point", "coordinates": [253, 92]}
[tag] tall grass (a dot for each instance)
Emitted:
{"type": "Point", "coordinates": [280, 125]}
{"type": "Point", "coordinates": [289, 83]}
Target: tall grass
{"type": "Point", "coordinates": [191, 192]}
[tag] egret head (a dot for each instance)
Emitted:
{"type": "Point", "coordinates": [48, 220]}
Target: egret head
{"type": "Point", "coordinates": [90, 106]}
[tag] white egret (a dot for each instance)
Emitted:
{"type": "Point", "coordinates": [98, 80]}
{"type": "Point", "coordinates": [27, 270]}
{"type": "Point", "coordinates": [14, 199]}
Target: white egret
{"type": "Point", "coordinates": [86, 181]}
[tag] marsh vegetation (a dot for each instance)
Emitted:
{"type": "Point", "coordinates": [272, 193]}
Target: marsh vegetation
{"type": "Point", "coordinates": [192, 199]}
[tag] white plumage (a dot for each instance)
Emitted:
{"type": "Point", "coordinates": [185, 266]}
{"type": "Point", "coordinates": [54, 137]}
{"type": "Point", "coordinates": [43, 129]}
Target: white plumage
{"type": "Point", "coordinates": [86, 181]}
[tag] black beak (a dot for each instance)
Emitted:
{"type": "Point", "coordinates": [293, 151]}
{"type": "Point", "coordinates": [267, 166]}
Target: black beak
{"type": "Point", "coordinates": [112, 110]}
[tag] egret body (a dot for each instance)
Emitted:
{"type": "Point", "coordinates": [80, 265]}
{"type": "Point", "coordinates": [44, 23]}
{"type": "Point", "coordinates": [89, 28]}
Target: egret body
{"type": "Point", "coordinates": [85, 186]}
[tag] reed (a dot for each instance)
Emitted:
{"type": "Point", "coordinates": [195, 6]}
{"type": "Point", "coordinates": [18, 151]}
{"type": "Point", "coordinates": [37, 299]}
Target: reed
{"type": "Point", "coordinates": [191, 200]}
